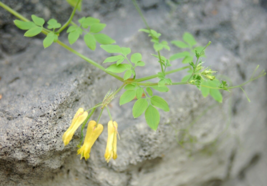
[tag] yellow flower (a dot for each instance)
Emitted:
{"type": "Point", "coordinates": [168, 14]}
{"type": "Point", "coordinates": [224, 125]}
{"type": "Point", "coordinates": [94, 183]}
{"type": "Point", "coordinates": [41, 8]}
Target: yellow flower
{"type": "Point", "coordinates": [92, 134]}
{"type": "Point", "coordinates": [77, 120]}
{"type": "Point", "coordinates": [111, 149]}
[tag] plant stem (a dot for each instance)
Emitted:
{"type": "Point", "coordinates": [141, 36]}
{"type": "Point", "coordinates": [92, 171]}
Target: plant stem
{"type": "Point", "coordinates": [94, 107]}
{"type": "Point", "coordinates": [117, 91]}
{"type": "Point", "coordinates": [160, 62]}
{"type": "Point", "coordinates": [13, 12]}
{"type": "Point", "coordinates": [71, 17]}
{"type": "Point", "coordinates": [88, 60]}
{"type": "Point", "coordinates": [83, 125]}
{"type": "Point", "coordinates": [99, 117]}
{"type": "Point", "coordinates": [140, 13]}
{"type": "Point", "coordinates": [144, 20]}
{"type": "Point", "coordinates": [194, 70]}
{"type": "Point", "coordinates": [155, 76]}
{"type": "Point", "coordinates": [109, 113]}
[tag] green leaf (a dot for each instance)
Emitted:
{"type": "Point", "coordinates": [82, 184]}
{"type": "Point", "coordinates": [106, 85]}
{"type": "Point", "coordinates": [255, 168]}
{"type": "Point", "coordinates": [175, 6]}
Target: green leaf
{"type": "Point", "coordinates": [160, 103]}
{"type": "Point", "coordinates": [113, 58]}
{"type": "Point", "coordinates": [154, 34]}
{"type": "Point", "coordinates": [179, 55]}
{"type": "Point", "coordinates": [139, 107]}
{"type": "Point", "coordinates": [73, 36]}
{"type": "Point", "coordinates": [130, 87]}
{"type": "Point", "coordinates": [143, 30]}
{"type": "Point", "coordinates": [90, 41]}
{"type": "Point", "coordinates": [216, 94]}
{"type": "Point", "coordinates": [160, 89]}
{"type": "Point", "coordinates": [24, 25]}
{"type": "Point", "coordinates": [89, 21]}
{"type": "Point", "coordinates": [165, 45]}
{"type": "Point", "coordinates": [136, 57]}
{"type": "Point", "coordinates": [168, 81]}
{"type": "Point", "coordinates": [97, 27]}
{"type": "Point", "coordinates": [139, 93]}
{"type": "Point", "coordinates": [161, 57]}
{"type": "Point", "coordinates": [186, 78]}
{"type": "Point", "coordinates": [189, 38]}
{"type": "Point", "coordinates": [33, 31]}
{"type": "Point", "coordinates": [152, 117]}
{"type": "Point", "coordinates": [127, 96]}
{"type": "Point", "coordinates": [161, 75]}
{"type": "Point", "coordinates": [38, 20]}
{"type": "Point", "coordinates": [154, 40]}
{"type": "Point", "coordinates": [149, 91]}
{"type": "Point", "coordinates": [168, 63]}
{"type": "Point", "coordinates": [127, 74]}
{"type": "Point", "coordinates": [111, 48]}
{"type": "Point", "coordinates": [118, 68]}
{"type": "Point", "coordinates": [204, 90]}
{"type": "Point", "coordinates": [103, 39]}
{"type": "Point", "coordinates": [200, 50]}
{"type": "Point", "coordinates": [74, 2]}
{"type": "Point", "coordinates": [125, 51]}
{"type": "Point", "coordinates": [71, 29]}
{"type": "Point", "coordinates": [49, 39]}
{"type": "Point", "coordinates": [140, 63]}
{"type": "Point", "coordinates": [52, 23]}
{"type": "Point", "coordinates": [120, 61]}
{"type": "Point", "coordinates": [162, 83]}
{"type": "Point", "coordinates": [180, 44]}
{"type": "Point", "coordinates": [187, 59]}
{"type": "Point", "coordinates": [158, 47]}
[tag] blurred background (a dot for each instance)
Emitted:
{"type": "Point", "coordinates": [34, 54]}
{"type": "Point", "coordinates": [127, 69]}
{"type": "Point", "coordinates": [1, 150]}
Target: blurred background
{"type": "Point", "coordinates": [198, 143]}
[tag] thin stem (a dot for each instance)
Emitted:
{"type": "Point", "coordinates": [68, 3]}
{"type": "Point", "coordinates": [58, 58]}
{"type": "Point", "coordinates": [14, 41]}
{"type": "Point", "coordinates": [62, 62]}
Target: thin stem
{"type": "Point", "coordinates": [13, 12]}
{"type": "Point", "coordinates": [245, 94]}
{"type": "Point", "coordinates": [88, 60]}
{"type": "Point", "coordinates": [140, 13]}
{"type": "Point", "coordinates": [156, 75]}
{"type": "Point", "coordinates": [147, 84]}
{"type": "Point", "coordinates": [127, 60]}
{"type": "Point", "coordinates": [99, 117]}
{"type": "Point", "coordinates": [160, 62]}
{"type": "Point", "coordinates": [109, 113]}
{"type": "Point", "coordinates": [73, 23]}
{"type": "Point", "coordinates": [117, 91]}
{"type": "Point", "coordinates": [71, 17]}
{"type": "Point", "coordinates": [180, 83]}
{"type": "Point", "coordinates": [83, 125]}
{"type": "Point", "coordinates": [98, 105]}
{"type": "Point", "coordinates": [194, 70]}
{"type": "Point", "coordinates": [144, 20]}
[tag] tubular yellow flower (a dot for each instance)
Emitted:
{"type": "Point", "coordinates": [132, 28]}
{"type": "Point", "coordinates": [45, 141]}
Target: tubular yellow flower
{"type": "Point", "coordinates": [77, 120]}
{"type": "Point", "coordinates": [92, 134]}
{"type": "Point", "coordinates": [111, 149]}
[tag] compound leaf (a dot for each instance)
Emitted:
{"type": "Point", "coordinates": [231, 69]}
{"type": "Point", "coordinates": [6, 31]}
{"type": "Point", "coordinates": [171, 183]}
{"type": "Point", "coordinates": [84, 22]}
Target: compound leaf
{"type": "Point", "coordinates": [139, 107]}
{"type": "Point", "coordinates": [152, 117]}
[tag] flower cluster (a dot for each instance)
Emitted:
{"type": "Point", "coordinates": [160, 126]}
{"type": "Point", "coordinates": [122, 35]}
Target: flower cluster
{"type": "Point", "coordinates": [94, 130]}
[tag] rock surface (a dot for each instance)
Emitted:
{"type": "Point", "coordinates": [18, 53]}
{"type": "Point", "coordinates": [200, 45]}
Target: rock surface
{"type": "Point", "coordinates": [42, 89]}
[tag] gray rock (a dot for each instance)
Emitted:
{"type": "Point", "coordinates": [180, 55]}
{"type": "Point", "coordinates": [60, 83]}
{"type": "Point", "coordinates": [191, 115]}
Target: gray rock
{"type": "Point", "coordinates": [225, 145]}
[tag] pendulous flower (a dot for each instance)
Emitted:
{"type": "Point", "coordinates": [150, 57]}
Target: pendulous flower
{"type": "Point", "coordinates": [93, 131]}
{"type": "Point", "coordinates": [77, 120]}
{"type": "Point", "coordinates": [111, 149]}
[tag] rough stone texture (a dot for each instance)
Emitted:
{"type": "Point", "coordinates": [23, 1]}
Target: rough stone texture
{"type": "Point", "coordinates": [42, 89]}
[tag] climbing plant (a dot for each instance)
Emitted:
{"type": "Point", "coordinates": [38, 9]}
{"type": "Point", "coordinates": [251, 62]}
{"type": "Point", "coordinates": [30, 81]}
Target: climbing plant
{"type": "Point", "coordinates": [123, 67]}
